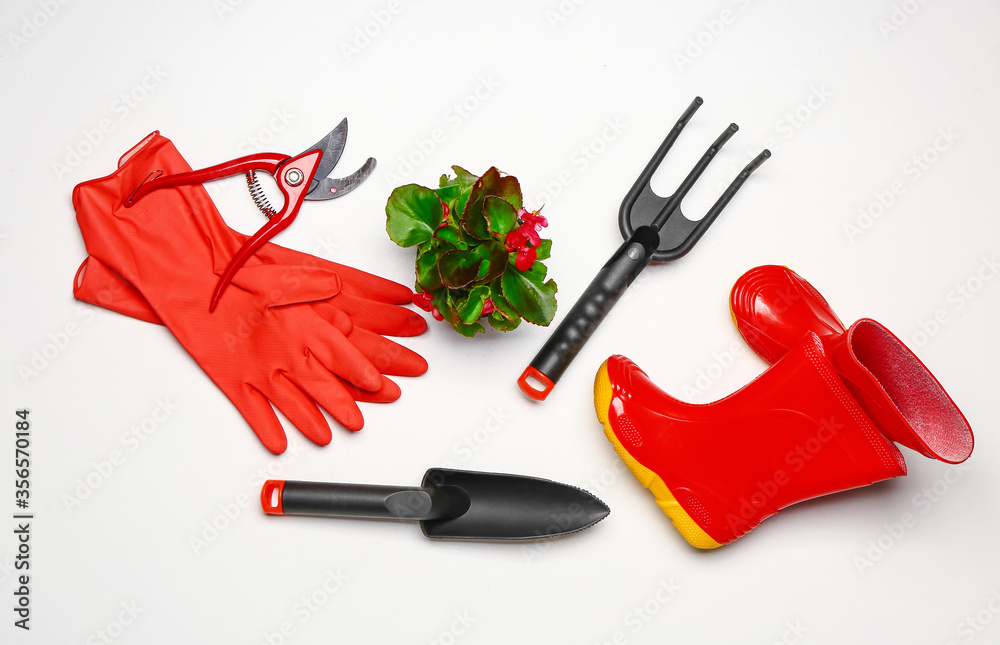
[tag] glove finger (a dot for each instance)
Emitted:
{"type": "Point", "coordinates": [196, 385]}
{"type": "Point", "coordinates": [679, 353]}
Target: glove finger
{"type": "Point", "coordinates": [332, 393]}
{"type": "Point", "coordinates": [387, 356]}
{"type": "Point", "coordinates": [300, 409]}
{"type": "Point", "coordinates": [379, 317]}
{"type": "Point", "coordinates": [97, 284]}
{"type": "Point", "coordinates": [388, 393]}
{"type": "Point", "coordinates": [338, 355]}
{"type": "Point", "coordinates": [256, 409]}
{"type": "Point", "coordinates": [356, 281]}
{"type": "Point", "coordinates": [288, 284]}
{"type": "Point", "coordinates": [334, 315]}
{"type": "Point", "coordinates": [372, 286]}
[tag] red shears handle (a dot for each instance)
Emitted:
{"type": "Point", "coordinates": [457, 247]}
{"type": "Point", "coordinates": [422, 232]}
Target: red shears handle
{"type": "Point", "coordinates": [266, 161]}
{"type": "Point", "coordinates": [293, 175]}
{"type": "Point", "coordinates": [294, 179]}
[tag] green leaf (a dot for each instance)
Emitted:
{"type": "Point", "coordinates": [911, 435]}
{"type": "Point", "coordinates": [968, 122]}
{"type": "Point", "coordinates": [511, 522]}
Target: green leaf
{"type": "Point", "coordinates": [503, 323]}
{"type": "Point", "coordinates": [529, 293]}
{"type": "Point", "coordinates": [500, 215]}
{"type": "Point", "coordinates": [468, 330]}
{"type": "Point", "coordinates": [452, 236]}
{"type": "Point", "coordinates": [504, 317]}
{"type": "Point", "coordinates": [506, 187]}
{"type": "Point", "coordinates": [448, 193]}
{"type": "Point", "coordinates": [428, 276]}
{"type": "Point", "coordinates": [544, 250]}
{"type": "Point", "coordinates": [470, 308]}
{"type": "Point", "coordinates": [473, 220]}
{"type": "Point", "coordinates": [464, 178]}
{"type": "Point", "coordinates": [495, 256]}
{"type": "Point", "coordinates": [459, 268]}
{"type": "Point", "coordinates": [500, 303]}
{"type": "Point", "coordinates": [412, 214]}
{"type": "Point", "coordinates": [460, 204]}
{"type": "Point", "coordinates": [445, 304]}
{"type": "Point", "coordinates": [491, 183]}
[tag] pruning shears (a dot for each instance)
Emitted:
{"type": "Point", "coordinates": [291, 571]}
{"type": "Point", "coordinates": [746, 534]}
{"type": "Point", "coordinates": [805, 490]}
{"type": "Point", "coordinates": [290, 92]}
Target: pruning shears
{"type": "Point", "coordinates": [302, 177]}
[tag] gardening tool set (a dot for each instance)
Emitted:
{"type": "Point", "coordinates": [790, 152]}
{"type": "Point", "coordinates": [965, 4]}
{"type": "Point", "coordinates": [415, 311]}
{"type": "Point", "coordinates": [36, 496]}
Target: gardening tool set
{"type": "Point", "coordinates": [278, 329]}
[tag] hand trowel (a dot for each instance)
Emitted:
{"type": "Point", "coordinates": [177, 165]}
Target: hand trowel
{"type": "Point", "coordinates": [449, 504]}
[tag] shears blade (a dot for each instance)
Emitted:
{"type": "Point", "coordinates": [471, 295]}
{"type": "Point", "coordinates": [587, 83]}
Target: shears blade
{"type": "Point", "coordinates": [332, 146]}
{"type": "Point", "coordinates": [329, 187]}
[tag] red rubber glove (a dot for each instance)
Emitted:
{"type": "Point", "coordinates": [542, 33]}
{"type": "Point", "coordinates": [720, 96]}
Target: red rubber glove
{"type": "Point", "coordinates": [98, 285]}
{"type": "Point", "coordinates": [291, 332]}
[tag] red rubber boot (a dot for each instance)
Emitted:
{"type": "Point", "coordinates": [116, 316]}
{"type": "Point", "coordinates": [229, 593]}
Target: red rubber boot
{"type": "Point", "coordinates": [719, 469]}
{"type": "Point", "coordinates": [773, 308]}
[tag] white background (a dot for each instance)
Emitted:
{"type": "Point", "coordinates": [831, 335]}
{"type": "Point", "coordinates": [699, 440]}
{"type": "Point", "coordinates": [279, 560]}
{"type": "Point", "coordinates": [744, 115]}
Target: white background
{"type": "Point", "coordinates": [847, 95]}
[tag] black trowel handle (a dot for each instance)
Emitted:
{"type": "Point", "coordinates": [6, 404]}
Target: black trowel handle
{"type": "Point", "coordinates": [588, 312]}
{"type": "Point", "coordinates": [361, 500]}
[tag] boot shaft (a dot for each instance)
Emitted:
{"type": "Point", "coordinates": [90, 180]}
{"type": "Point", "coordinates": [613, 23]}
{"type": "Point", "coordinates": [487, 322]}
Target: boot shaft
{"type": "Point", "coordinates": [773, 307]}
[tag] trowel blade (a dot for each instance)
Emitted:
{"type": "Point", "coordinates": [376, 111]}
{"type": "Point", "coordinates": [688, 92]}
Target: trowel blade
{"type": "Point", "coordinates": [512, 507]}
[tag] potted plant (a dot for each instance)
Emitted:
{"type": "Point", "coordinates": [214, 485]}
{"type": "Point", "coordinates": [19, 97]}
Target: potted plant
{"type": "Point", "coordinates": [479, 251]}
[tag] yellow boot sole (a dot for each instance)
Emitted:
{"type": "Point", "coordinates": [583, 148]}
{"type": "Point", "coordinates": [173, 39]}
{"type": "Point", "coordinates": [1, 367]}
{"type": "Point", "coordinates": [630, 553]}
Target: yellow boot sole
{"type": "Point", "coordinates": [687, 527]}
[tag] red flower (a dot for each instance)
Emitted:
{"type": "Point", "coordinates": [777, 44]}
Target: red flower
{"type": "Point", "coordinates": [533, 218]}
{"type": "Point", "coordinates": [526, 256]}
{"type": "Point", "coordinates": [423, 300]}
{"type": "Point", "coordinates": [488, 307]}
{"type": "Point", "coordinates": [525, 238]}
{"type": "Point", "coordinates": [516, 239]}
